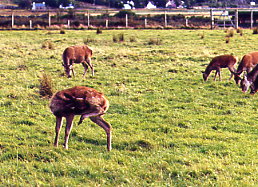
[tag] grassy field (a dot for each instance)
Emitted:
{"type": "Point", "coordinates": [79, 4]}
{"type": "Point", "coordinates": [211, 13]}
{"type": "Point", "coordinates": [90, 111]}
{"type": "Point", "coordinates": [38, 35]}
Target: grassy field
{"type": "Point", "coordinates": [170, 128]}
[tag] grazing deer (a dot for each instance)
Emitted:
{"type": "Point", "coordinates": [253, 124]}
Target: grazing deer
{"type": "Point", "coordinates": [247, 64]}
{"type": "Point", "coordinates": [218, 62]}
{"type": "Point", "coordinates": [250, 80]}
{"type": "Point", "coordinates": [77, 54]}
{"type": "Point", "coordinates": [83, 101]}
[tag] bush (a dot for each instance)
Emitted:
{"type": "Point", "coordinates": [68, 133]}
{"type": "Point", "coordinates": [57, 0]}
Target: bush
{"type": "Point", "coordinates": [122, 13]}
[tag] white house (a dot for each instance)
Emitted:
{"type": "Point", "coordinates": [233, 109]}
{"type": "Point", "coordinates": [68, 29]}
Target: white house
{"type": "Point", "coordinates": [129, 5]}
{"type": "Point", "coordinates": [67, 7]}
{"type": "Point", "coordinates": [39, 6]}
{"type": "Point", "coordinates": [150, 5]}
{"type": "Point", "coordinates": [171, 4]}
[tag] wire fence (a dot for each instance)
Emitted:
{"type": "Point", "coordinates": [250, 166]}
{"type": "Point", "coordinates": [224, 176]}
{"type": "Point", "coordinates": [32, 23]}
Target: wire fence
{"type": "Point", "coordinates": [211, 18]}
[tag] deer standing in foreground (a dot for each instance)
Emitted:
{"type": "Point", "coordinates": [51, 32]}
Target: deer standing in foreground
{"type": "Point", "coordinates": [248, 62]}
{"type": "Point", "coordinates": [83, 101]}
{"type": "Point", "coordinates": [250, 80]}
{"type": "Point", "coordinates": [218, 62]}
{"type": "Point", "coordinates": [77, 54]}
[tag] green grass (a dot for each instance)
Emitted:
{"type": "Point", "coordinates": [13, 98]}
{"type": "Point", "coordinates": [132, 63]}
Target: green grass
{"type": "Point", "coordinates": [169, 127]}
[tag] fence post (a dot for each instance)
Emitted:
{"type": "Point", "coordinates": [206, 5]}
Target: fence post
{"type": "Point", "coordinates": [49, 20]}
{"type": "Point", "coordinates": [30, 24]}
{"type": "Point", "coordinates": [236, 19]}
{"type": "Point", "coordinates": [12, 19]}
{"type": "Point", "coordinates": [212, 18]}
{"type": "Point", "coordinates": [68, 23]}
{"type": "Point", "coordinates": [166, 23]}
{"type": "Point", "coordinates": [186, 22]}
{"type": "Point", "coordinates": [145, 22]}
{"type": "Point", "coordinates": [88, 19]}
{"type": "Point", "coordinates": [126, 20]}
{"type": "Point", "coordinates": [252, 18]}
{"type": "Point", "coordinates": [106, 23]}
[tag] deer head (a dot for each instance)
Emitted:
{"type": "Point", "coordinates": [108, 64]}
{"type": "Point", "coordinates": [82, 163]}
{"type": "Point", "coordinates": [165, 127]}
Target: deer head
{"type": "Point", "coordinates": [245, 84]}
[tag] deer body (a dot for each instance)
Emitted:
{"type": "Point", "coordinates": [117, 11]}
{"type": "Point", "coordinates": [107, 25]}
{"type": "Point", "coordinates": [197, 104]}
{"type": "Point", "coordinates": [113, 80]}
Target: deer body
{"type": "Point", "coordinates": [77, 54]}
{"type": "Point", "coordinates": [247, 64]}
{"type": "Point", "coordinates": [218, 62]}
{"type": "Point", "coordinates": [83, 101]}
{"type": "Point", "coordinates": [250, 80]}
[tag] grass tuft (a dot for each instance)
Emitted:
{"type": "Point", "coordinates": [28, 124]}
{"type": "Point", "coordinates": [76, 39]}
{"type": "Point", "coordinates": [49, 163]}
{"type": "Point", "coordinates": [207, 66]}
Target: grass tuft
{"type": "Point", "coordinates": [47, 45]}
{"type": "Point", "coordinates": [255, 30]}
{"type": "Point", "coordinates": [62, 31]}
{"type": "Point", "coordinates": [46, 86]}
{"type": "Point", "coordinates": [230, 33]}
{"type": "Point", "coordinates": [99, 31]}
{"type": "Point", "coordinates": [155, 41]}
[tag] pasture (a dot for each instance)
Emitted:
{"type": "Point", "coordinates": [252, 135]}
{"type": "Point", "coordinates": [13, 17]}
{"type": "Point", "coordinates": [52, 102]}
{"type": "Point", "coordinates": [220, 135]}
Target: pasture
{"type": "Point", "coordinates": [170, 128]}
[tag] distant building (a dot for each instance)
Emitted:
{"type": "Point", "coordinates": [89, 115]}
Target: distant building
{"type": "Point", "coordinates": [39, 6]}
{"type": "Point", "coordinates": [171, 4]}
{"type": "Point", "coordinates": [129, 5]}
{"type": "Point", "coordinates": [70, 6]}
{"type": "Point", "coordinates": [150, 5]}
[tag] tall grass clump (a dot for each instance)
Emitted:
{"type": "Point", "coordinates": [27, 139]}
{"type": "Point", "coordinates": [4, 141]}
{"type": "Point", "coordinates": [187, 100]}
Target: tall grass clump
{"type": "Point", "coordinates": [88, 40]}
{"type": "Point", "coordinates": [155, 41]}
{"type": "Point", "coordinates": [202, 35]}
{"type": "Point", "coordinates": [121, 37]}
{"type": "Point", "coordinates": [46, 86]}
{"type": "Point", "coordinates": [227, 39]}
{"type": "Point", "coordinates": [99, 31]}
{"type": "Point", "coordinates": [230, 33]}
{"type": "Point", "coordinates": [62, 31]}
{"type": "Point", "coordinates": [132, 39]}
{"type": "Point", "coordinates": [239, 31]}
{"type": "Point", "coordinates": [115, 39]}
{"type": "Point", "coordinates": [47, 45]}
{"type": "Point", "coordinates": [255, 30]}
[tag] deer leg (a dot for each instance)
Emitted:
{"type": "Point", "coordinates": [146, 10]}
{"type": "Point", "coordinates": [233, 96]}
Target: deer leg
{"type": "Point", "coordinates": [88, 60]}
{"type": "Point", "coordinates": [88, 115]}
{"type": "Point", "coordinates": [106, 126]}
{"type": "Point", "coordinates": [219, 75]}
{"type": "Point", "coordinates": [85, 69]}
{"type": "Point", "coordinates": [215, 75]}
{"type": "Point", "coordinates": [59, 121]}
{"type": "Point", "coordinates": [232, 70]}
{"type": "Point", "coordinates": [68, 128]}
{"type": "Point", "coordinates": [71, 69]}
{"type": "Point", "coordinates": [71, 66]}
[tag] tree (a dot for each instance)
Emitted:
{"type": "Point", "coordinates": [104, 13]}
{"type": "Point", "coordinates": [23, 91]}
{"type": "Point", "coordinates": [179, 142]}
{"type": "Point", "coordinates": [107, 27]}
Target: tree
{"type": "Point", "coordinates": [24, 3]}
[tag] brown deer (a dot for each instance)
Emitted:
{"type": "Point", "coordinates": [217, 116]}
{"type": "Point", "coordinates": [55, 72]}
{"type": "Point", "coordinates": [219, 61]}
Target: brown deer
{"type": "Point", "coordinates": [250, 80]}
{"type": "Point", "coordinates": [77, 54]}
{"type": "Point", "coordinates": [83, 101]}
{"type": "Point", "coordinates": [247, 64]}
{"type": "Point", "coordinates": [218, 62]}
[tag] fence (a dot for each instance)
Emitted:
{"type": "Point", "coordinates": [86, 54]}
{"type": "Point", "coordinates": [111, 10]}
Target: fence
{"type": "Point", "coordinates": [209, 18]}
